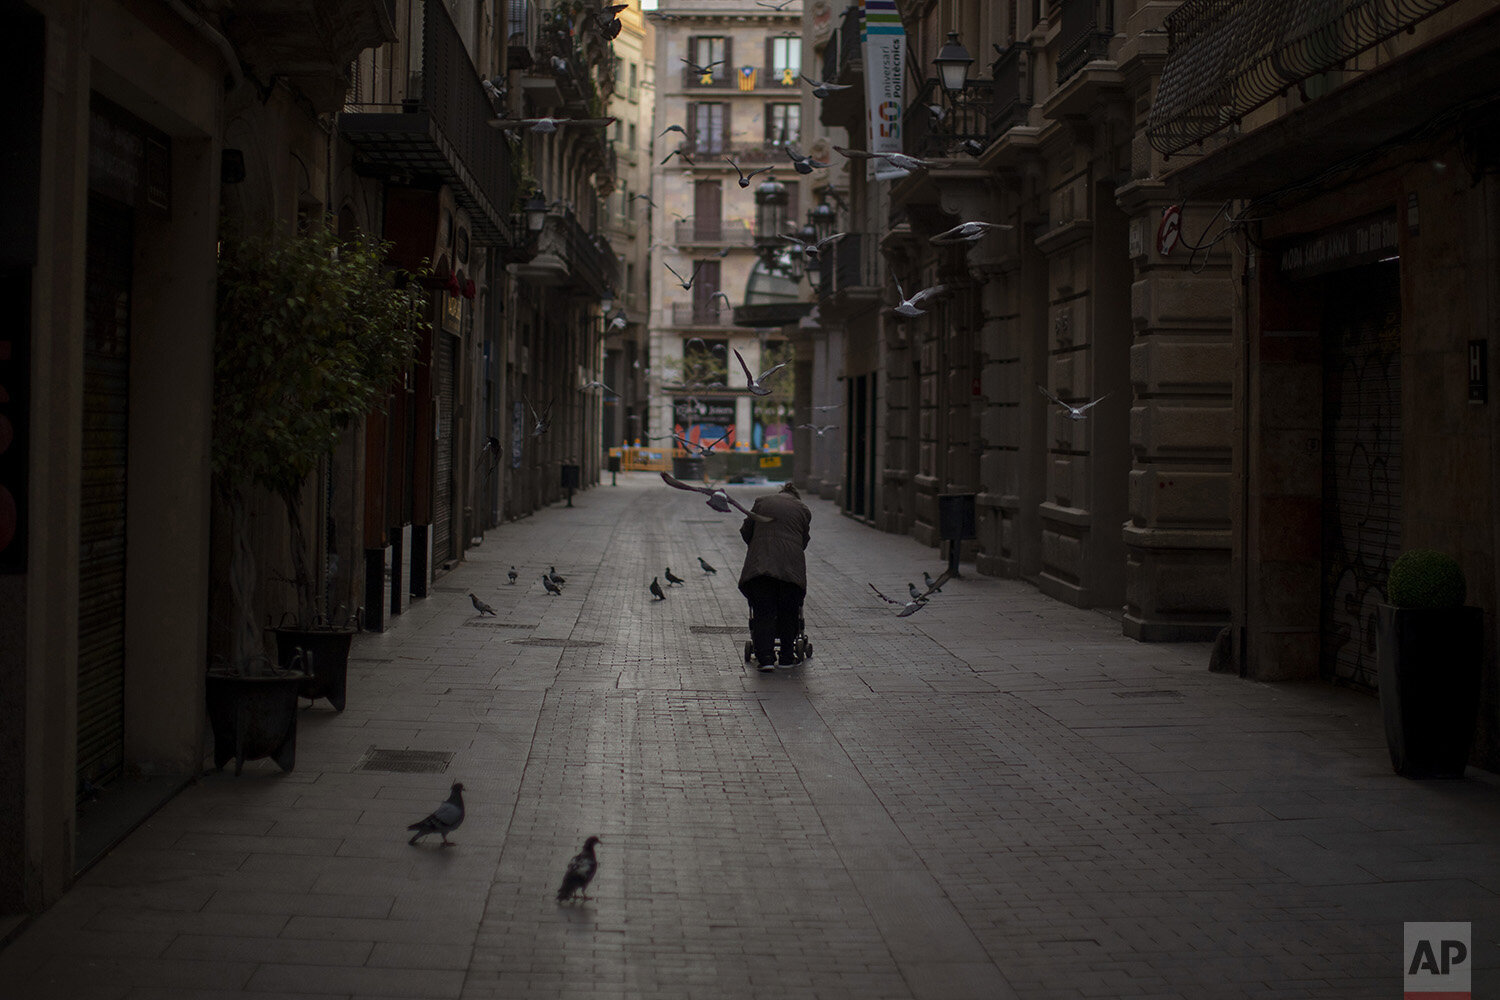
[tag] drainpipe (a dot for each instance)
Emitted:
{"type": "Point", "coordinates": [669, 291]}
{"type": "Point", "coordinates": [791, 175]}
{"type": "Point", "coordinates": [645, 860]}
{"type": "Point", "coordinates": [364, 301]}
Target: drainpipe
{"type": "Point", "coordinates": [215, 38]}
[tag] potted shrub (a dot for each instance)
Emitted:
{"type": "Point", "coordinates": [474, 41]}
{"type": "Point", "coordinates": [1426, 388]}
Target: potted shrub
{"type": "Point", "coordinates": [1429, 652]}
{"type": "Point", "coordinates": [312, 333]}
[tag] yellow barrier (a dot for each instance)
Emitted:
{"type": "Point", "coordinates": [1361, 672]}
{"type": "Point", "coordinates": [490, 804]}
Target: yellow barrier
{"type": "Point", "coordinates": [646, 459]}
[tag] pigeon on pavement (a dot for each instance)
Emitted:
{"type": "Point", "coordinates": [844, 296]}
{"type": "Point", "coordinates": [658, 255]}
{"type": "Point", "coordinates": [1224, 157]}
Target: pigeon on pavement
{"type": "Point", "coordinates": [512, 574]}
{"type": "Point", "coordinates": [706, 567]}
{"type": "Point", "coordinates": [550, 587]}
{"type": "Point", "coordinates": [581, 871]}
{"type": "Point", "coordinates": [480, 606]}
{"type": "Point", "coordinates": [935, 586]}
{"type": "Point", "coordinates": [444, 819]}
{"type": "Point", "coordinates": [907, 607]}
{"type": "Point", "coordinates": [911, 589]}
{"type": "Point", "coordinates": [554, 576]}
{"type": "Point", "coordinates": [656, 589]}
{"type": "Point", "coordinates": [672, 579]}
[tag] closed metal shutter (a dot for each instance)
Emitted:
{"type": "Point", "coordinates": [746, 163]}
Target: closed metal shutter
{"type": "Point", "coordinates": [442, 480]}
{"type": "Point", "coordinates": [1361, 464]}
{"type": "Point", "coordinates": [101, 596]}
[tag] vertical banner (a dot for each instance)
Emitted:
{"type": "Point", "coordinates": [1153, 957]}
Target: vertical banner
{"type": "Point", "coordinates": [884, 43]}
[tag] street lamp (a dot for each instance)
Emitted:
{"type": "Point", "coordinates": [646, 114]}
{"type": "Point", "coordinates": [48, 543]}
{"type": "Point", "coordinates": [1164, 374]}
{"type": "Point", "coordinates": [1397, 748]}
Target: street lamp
{"type": "Point", "coordinates": [536, 212]}
{"type": "Point", "coordinates": [952, 62]}
{"type": "Point", "coordinates": [770, 214]}
{"type": "Point", "coordinates": [822, 217]}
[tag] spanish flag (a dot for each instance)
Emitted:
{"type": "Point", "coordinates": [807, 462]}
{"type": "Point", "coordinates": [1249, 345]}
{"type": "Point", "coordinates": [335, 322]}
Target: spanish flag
{"type": "Point", "coordinates": [747, 77]}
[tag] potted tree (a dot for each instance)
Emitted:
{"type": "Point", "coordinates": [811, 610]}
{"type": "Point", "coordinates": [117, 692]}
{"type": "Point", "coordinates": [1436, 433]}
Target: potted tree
{"type": "Point", "coordinates": [312, 333]}
{"type": "Point", "coordinates": [1429, 650]}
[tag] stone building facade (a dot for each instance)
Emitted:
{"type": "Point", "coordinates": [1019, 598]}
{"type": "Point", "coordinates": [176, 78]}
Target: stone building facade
{"type": "Point", "coordinates": [1128, 508]}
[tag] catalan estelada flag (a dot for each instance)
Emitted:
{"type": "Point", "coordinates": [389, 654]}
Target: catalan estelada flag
{"type": "Point", "coordinates": [747, 77]}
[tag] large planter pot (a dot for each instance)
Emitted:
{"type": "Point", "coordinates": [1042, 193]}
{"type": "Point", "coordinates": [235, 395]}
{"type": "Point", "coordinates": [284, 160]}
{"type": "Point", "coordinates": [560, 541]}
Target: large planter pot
{"type": "Point", "coordinates": [253, 717]}
{"type": "Point", "coordinates": [324, 657]}
{"type": "Point", "coordinates": [1429, 664]}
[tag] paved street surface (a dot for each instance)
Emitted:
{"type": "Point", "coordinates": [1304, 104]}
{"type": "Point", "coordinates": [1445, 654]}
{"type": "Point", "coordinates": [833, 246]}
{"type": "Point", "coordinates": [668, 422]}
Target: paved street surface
{"type": "Point", "coordinates": [997, 797]}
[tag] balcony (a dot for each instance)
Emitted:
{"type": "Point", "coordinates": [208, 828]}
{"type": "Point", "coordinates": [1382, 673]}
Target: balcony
{"type": "Point", "coordinates": [722, 77]}
{"type": "Point", "coordinates": [1011, 104]}
{"type": "Point", "coordinates": [852, 276]}
{"type": "Point", "coordinates": [966, 119]}
{"type": "Point", "coordinates": [568, 255]}
{"type": "Point", "coordinates": [713, 313]}
{"type": "Point", "coordinates": [440, 130]}
{"type": "Point", "coordinates": [1087, 28]}
{"type": "Point", "coordinates": [311, 45]}
{"type": "Point", "coordinates": [713, 232]}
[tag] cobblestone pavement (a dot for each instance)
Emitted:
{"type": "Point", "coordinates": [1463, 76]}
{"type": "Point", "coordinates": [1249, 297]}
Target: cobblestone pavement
{"type": "Point", "coordinates": [1000, 796]}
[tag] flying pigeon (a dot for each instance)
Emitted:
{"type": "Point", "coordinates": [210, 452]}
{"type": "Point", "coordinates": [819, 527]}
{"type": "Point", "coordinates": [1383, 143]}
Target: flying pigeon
{"type": "Point", "coordinates": [643, 197]}
{"type": "Point", "coordinates": [493, 92]}
{"type": "Point", "coordinates": [581, 871]}
{"type": "Point", "coordinates": [672, 128]}
{"type": "Point", "coordinates": [656, 589]}
{"type": "Point", "coordinates": [677, 152]}
{"type": "Point", "coordinates": [756, 384]}
{"type": "Point", "coordinates": [673, 579]}
{"type": "Point", "coordinates": [832, 406]}
{"type": "Point", "coordinates": [821, 430]}
{"type": "Point", "coordinates": [727, 304]}
{"type": "Point", "coordinates": [444, 819]}
{"type": "Point", "coordinates": [744, 177]}
{"type": "Point", "coordinates": [542, 420]}
{"type": "Point", "coordinates": [907, 607]}
{"type": "Point", "coordinates": [706, 567]}
{"type": "Point", "coordinates": [909, 306]}
{"type": "Point", "coordinates": [550, 587]}
{"type": "Point", "coordinates": [554, 576]}
{"type": "Point", "coordinates": [1073, 412]}
{"type": "Point", "coordinates": [811, 250]}
{"type": "Point", "coordinates": [702, 70]}
{"type": "Point", "coordinates": [820, 89]}
{"type": "Point", "coordinates": [774, 6]}
{"type": "Point", "coordinates": [900, 160]}
{"type": "Point", "coordinates": [968, 232]}
{"type": "Point", "coordinates": [545, 124]}
{"type": "Point", "coordinates": [686, 283]}
{"type": "Point", "coordinates": [596, 384]}
{"type": "Point", "coordinates": [512, 574]}
{"type": "Point", "coordinates": [717, 498]}
{"type": "Point", "coordinates": [804, 164]}
{"type": "Point", "coordinates": [480, 606]}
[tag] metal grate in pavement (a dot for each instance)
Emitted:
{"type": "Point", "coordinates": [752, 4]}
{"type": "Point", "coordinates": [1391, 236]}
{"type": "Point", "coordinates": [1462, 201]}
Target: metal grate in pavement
{"type": "Point", "coordinates": [559, 643]}
{"type": "Point", "coordinates": [718, 629]}
{"type": "Point", "coordinates": [405, 761]}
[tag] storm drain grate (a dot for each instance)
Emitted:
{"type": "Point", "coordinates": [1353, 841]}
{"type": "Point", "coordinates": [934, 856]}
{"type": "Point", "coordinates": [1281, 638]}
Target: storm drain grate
{"type": "Point", "coordinates": [405, 761]}
{"type": "Point", "coordinates": [1151, 693]}
{"type": "Point", "coordinates": [559, 643]}
{"type": "Point", "coordinates": [487, 623]}
{"type": "Point", "coordinates": [718, 629]}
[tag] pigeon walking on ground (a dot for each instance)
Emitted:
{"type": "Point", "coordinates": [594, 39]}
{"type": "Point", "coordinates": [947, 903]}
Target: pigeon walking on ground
{"type": "Point", "coordinates": [911, 589]}
{"type": "Point", "coordinates": [934, 586]}
{"type": "Point", "coordinates": [907, 607]}
{"type": "Point", "coordinates": [706, 567]}
{"type": "Point", "coordinates": [581, 871]}
{"type": "Point", "coordinates": [481, 607]}
{"type": "Point", "coordinates": [555, 576]}
{"type": "Point", "coordinates": [550, 587]}
{"type": "Point", "coordinates": [512, 574]}
{"type": "Point", "coordinates": [444, 819]}
{"type": "Point", "coordinates": [673, 579]}
{"type": "Point", "coordinates": [656, 589]}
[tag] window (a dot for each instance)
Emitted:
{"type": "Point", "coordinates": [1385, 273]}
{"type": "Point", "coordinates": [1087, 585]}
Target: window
{"type": "Point", "coordinates": [709, 125]}
{"type": "Point", "coordinates": [634, 82]}
{"type": "Point", "coordinates": [711, 53]}
{"type": "Point", "coordinates": [785, 60]}
{"type": "Point", "coordinates": [633, 137]}
{"type": "Point", "coordinates": [783, 124]}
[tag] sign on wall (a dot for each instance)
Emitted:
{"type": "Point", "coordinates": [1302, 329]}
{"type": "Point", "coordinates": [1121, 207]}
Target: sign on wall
{"type": "Point", "coordinates": [884, 42]}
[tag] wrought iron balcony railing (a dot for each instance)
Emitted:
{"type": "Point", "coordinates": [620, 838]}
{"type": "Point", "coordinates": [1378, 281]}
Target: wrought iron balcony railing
{"type": "Point", "coordinates": [965, 119]}
{"type": "Point", "coordinates": [1225, 59]}
{"type": "Point", "coordinates": [440, 128]}
{"type": "Point", "coordinates": [715, 232]}
{"type": "Point", "coordinates": [1012, 94]}
{"type": "Point", "coordinates": [590, 260]}
{"type": "Point", "coordinates": [712, 313]}
{"type": "Point", "coordinates": [1087, 27]}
